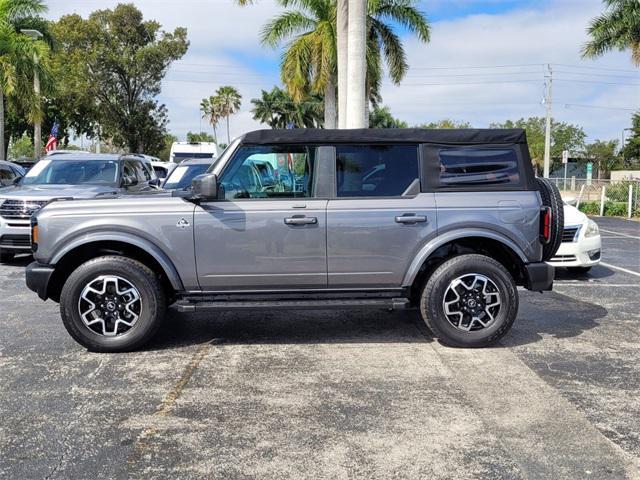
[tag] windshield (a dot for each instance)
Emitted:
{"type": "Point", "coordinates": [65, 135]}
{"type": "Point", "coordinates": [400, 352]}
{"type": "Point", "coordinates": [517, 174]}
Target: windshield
{"type": "Point", "coordinates": [181, 176]}
{"type": "Point", "coordinates": [73, 172]}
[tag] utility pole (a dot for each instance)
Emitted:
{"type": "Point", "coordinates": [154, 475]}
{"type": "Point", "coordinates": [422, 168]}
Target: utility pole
{"type": "Point", "coordinates": [37, 125]}
{"type": "Point", "coordinates": [547, 131]}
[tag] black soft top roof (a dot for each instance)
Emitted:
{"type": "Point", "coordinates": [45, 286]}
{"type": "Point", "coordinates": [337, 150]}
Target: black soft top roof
{"type": "Point", "coordinates": [462, 136]}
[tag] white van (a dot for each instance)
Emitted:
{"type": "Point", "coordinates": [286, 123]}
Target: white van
{"type": "Point", "coordinates": [183, 150]}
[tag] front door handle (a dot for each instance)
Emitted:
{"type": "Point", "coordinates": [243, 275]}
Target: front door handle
{"type": "Point", "coordinates": [300, 220]}
{"type": "Point", "coordinates": [411, 219]}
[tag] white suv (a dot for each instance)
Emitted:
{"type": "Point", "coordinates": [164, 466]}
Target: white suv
{"type": "Point", "coordinates": [581, 244]}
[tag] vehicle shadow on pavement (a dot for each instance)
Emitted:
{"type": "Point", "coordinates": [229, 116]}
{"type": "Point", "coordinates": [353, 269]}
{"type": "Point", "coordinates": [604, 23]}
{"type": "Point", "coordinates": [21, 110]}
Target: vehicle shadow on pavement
{"type": "Point", "coordinates": [291, 327]}
{"type": "Point", "coordinates": [597, 272]}
{"type": "Point", "coordinates": [552, 314]}
{"type": "Point", "coordinates": [20, 261]}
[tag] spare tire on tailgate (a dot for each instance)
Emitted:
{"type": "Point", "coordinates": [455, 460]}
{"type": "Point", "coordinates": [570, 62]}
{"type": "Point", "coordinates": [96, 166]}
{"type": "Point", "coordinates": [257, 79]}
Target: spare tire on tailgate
{"type": "Point", "coordinates": [551, 198]}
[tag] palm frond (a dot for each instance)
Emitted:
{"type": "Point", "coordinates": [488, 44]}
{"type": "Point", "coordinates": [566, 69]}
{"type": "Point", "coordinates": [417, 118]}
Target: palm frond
{"type": "Point", "coordinates": [394, 53]}
{"type": "Point", "coordinates": [406, 14]}
{"type": "Point", "coordinates": [283, 26]}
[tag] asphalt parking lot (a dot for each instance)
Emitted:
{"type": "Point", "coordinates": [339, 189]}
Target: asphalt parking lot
{"type": "Point", "coordinates": [334, 395]}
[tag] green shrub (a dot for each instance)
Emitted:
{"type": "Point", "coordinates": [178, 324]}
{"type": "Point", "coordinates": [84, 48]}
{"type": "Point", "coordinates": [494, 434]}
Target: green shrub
{"type": "Point", "coordinates": [590, 208]}
{"type": "Point", "coordinates": [615, 209]}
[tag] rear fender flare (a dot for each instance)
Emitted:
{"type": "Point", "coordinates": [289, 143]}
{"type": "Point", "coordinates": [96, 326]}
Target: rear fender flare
{"type": "Point", "coordinates": [434, 244]}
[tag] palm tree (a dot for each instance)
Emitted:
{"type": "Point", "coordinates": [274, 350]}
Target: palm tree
{"type": "Point", "coordinates": [310, 59]}
{"type": "Point", "coordinates": [278, 110]}
{"type": "Point", "coordinates": [210, 109]}
{"type": "Point", "coordinates": [228, 101]}
{"type": "Point", "coordinates": [618, 28]}
{"type": "Point", "coordinates": [21, 57]}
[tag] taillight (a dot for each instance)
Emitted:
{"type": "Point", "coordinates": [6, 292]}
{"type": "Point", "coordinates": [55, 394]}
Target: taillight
{"type": "Point", "coordinates": [34, 234]}
{"type": "Point", "coordinates": [545, 224]}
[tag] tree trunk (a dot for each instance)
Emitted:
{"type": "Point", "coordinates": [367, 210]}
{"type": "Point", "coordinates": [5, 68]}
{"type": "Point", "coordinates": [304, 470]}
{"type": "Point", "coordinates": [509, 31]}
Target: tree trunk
{"type": "Point", "coordinates": [357, 64]}
{"type": "Point", "coordinates": [2, 145]}
{"type": "Point", "coordinates": [215, 134]}
{"type": "Point", "coordinates": [228, 134]}
{"type": "Point", "coordinates": [330, 104]}
{"type": "Point", "coordinates": [342, 34]}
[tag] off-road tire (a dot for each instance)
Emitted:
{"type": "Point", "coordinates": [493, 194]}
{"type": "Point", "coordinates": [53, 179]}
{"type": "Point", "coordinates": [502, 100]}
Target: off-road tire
{"type": "Point", "coordinates": [6, 256]}
{"type": "Point", "coordinates": [434, 291]}
{"type": "Point", "coordinates": [551, 198]}
{"type": "Point", "coordinates": [152, 297]}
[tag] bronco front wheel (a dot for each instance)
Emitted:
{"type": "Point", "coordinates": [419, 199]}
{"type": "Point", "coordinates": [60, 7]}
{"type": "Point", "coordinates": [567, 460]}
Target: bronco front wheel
{"type": "Point", "coordinates": [112, 304]}
{"type": "Point", "coordinates": [469, 301]}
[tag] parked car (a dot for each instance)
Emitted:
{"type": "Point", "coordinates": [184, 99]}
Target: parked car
{"type": "Point", "coordinates": [182, 175]}
{"type": "Point", "coordinates": [581, 244]}
{"type": "Point", "coordinates": [183, 150]}
{"type": "Point", "coordinates": [429, 233]}
{"type": "Point", "coordinates": [10, 173]}
{"type": "Point", "coordinates": [25, 162]}
{"type": "Point", "coordinates": [163, 169]}
{"type": "Point", "coordinates": [68, 176]}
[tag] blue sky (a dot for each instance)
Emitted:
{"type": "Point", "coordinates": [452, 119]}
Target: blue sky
{"type": "Point", "coordinates": [486, 62]}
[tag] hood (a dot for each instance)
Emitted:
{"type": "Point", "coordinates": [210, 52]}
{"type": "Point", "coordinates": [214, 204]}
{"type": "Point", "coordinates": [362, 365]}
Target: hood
{"type": "Point", "coordinates": [48, 192]}
{"type": "Point", "coordinates": [572, 216]}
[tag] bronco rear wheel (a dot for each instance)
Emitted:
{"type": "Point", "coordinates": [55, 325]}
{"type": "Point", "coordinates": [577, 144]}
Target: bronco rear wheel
{"type": "Point", "coordinates": [469, 301]}
{"type": "Point", "coordinates": [112, 304]}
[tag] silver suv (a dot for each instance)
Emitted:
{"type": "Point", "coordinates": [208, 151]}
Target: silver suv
{"type": "Point", "coordinates": [66, 175]}
{"type": "Point", "coordinates": [447, 222]}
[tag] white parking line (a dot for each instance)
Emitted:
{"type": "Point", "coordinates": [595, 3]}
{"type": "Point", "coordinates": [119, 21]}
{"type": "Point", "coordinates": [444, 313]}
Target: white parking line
{"type": "Point", "coordinates": [594, 284]}
{"type": "Point", "coordinates": [618, 233]}
{"type": "Point", "coordinates": [625, 270]}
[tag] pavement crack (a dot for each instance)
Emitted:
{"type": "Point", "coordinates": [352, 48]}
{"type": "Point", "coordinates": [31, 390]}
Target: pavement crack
{"type": "Point", "coordinates": [143, 442]}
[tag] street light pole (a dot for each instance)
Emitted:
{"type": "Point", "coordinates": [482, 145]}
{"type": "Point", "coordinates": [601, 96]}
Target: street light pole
{"type": "Point", "coordinates": [37, 125]}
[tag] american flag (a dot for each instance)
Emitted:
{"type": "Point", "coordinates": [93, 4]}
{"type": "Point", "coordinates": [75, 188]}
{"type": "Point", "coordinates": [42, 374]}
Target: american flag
{"type": "Point", "coordinates": [52, 142]}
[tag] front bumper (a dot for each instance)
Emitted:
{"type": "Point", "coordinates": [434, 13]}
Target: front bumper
{"type": "Point", "coordinates": [37, 277]}
{"type": "Point", "coordinates": [585, 252]}
{"type": "Point", "coordinates": [539, 276]}
{"type": "Point", "coordinates": [15, 235]}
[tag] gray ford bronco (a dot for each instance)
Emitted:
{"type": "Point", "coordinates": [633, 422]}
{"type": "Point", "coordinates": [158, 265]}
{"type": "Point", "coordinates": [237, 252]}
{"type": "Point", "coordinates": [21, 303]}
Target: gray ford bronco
{"type": "Point", "coordinates": [449, 222]}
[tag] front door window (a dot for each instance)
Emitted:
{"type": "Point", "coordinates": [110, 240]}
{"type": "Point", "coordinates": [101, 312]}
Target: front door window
{"type": "Point", "coordinates": [274, 171]}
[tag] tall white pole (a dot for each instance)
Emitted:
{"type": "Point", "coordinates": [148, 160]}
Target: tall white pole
{"type": "Point", "coordinates": [37, 126]}
{"type": "Point", "coordinates": [357, 64]}
{"type": "Point", "coordinates": [342, 33]}
{"type": "Point", "coordinates": [547, 130]}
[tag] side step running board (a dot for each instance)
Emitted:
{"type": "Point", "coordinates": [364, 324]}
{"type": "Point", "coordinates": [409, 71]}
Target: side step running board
{"type": "Point", "coordinates": [337, 304]}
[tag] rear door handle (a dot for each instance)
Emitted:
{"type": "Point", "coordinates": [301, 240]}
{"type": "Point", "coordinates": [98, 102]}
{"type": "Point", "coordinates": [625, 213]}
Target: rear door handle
{"type": "Point", "coordinates": [300, 220]}
{"type": "Point", "coordinates": [411, 219]}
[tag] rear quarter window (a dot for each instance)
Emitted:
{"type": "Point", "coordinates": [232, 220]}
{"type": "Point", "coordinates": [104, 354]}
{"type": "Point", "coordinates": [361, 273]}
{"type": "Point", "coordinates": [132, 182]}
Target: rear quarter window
{"type": "Point", "coordinates": [478, 167]}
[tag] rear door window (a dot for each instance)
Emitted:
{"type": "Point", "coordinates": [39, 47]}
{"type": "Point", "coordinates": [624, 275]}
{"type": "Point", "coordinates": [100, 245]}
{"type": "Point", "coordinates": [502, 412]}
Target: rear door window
{"type": "Point", "coordinates": [375, 170]}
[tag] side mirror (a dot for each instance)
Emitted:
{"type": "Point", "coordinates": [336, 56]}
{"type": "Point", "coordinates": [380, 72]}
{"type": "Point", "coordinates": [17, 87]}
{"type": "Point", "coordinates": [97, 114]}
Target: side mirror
{"type": "Point", "coordinates": [129, 181]}
{"type": "Point", "coordinates": [205, 187]}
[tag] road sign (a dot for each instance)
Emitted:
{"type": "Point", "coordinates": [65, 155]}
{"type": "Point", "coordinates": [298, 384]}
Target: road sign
{"type": "Point", "coordinates": [589, 172]}
{"type": "Point", "coordinates": [565, 156]}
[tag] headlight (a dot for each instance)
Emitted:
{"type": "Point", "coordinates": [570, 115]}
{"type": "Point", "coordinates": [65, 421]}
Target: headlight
{"type": "Point", "coordinates": [592, 229]}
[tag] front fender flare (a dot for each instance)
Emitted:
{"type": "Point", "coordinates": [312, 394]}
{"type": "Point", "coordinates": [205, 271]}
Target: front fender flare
{"type": "Point", "coordinates": [137, 241]}
{"type": "Point", "coordinates": [440, 240]}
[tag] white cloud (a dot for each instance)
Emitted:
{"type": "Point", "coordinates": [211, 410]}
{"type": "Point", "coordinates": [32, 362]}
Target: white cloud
{"type": "Point", "coordinates": [551, 33]}
{"type": "Point", "coordinates": [225, 41]}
